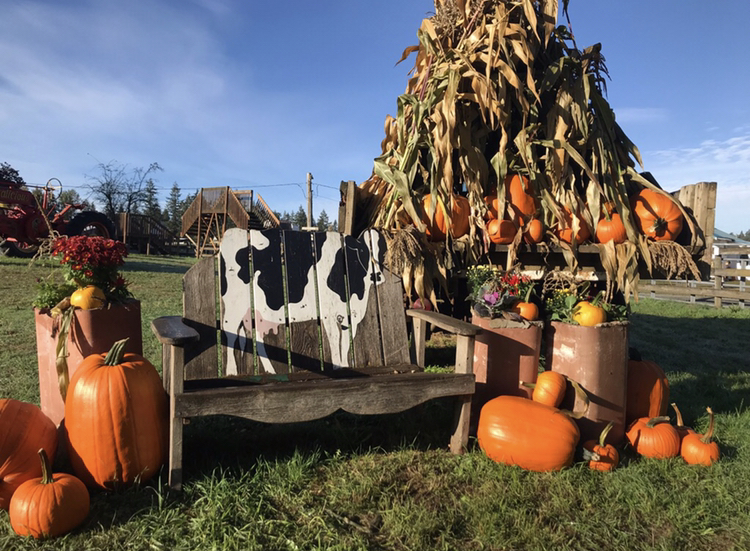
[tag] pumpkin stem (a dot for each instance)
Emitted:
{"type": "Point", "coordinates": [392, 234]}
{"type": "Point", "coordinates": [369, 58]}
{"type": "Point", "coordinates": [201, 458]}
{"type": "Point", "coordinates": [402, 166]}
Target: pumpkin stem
{"type": "Point", "coordinates": [604, 433]}
{"type": "Point", "coordinates": [659, 225]}
{"type": "Point", "coordinates": [656, 420]}
{"type": "Point", "coordinates": [706, 438]}
{"type": "Point", "coordinates": [678, 413]}
{"type": "Point", "coordinates": [580, 393]}
{"type": "Point", "coordinates": [46, 468]}
{"type": "Point", "coordinates": [115, 354]}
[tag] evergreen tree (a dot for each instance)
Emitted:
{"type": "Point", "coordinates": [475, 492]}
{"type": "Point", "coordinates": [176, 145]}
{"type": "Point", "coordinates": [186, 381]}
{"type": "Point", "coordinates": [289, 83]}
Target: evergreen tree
{"type": "Point", "coordinates": [174, 211]}
{"type": "Point", "coordinates": [151, 201]}
{"type": "Point", "coordinates": [323, 222]}
{"type": "Point", "coordinates": [300, 218]}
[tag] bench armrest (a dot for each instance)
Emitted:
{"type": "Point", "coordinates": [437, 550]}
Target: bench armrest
{"type": "Point", "coordinates": [465, 335]}
{"type": "Point", "coordinates": [447, 323]}
{"type": "Point", "coordinates": [171, 330]}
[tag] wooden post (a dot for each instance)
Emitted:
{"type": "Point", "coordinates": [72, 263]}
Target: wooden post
{"type": "Point", "coordinates": [309, 200]}
{"type": "Point", "coordinates": [347, 207]}
{"type": "Point", "coordinates": [718, 279]}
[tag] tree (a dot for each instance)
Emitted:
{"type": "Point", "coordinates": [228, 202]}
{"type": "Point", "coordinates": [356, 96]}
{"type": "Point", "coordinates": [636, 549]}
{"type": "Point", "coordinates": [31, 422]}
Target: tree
{"type": "Point", "coordinates": [300, 218]}
{"type": "Point", "coordinates": [151, 203]}
{"type": "Point", "coordinates": [10, 174]}
{"type": "Point", "coordinates": [119, 188]}
{"type": "Point", "coordinates": [323, 223]}
{"type": "Point", "coordinates": [174, 212]}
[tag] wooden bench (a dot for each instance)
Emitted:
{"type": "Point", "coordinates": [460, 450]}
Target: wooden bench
{"type": "Point", "coordinates": [308, 324]}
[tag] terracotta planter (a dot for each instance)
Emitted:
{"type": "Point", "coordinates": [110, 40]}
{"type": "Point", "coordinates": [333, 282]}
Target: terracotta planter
{"type": "Point", "coordinates": [91, 332]}
{"type": "Point", "coordinates": [505, 354]}
{"type": "Point", "coordinates": [596, 358]}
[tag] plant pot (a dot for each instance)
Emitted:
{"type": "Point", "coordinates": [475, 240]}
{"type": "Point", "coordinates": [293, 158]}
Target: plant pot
{"type": "Point", "coordinates": [506, 353]}
{"type": "Point", "coordinates": [91, 332]}
{"type": "Point", "coordinates": [597, 359]}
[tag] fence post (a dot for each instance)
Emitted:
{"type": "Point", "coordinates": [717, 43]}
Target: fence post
{"type": "Point", "coordinates": [718, 279]}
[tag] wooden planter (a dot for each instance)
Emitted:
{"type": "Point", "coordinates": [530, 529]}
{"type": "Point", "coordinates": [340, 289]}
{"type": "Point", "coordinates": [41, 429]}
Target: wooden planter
{"type": "Point", "coordinates": [506, 353]}
{"type": "Point", "coordinates": [596, 358]}
{"type": "Point", "coordinates": [91, 332]}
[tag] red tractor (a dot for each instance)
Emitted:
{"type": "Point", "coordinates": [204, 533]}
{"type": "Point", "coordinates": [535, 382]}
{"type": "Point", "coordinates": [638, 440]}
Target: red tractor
{"type": "Point", "coordinates": [23, 221]}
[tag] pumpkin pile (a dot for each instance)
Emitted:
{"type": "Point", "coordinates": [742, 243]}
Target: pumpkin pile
{"type": "Point", "coordinates": [504, 136]}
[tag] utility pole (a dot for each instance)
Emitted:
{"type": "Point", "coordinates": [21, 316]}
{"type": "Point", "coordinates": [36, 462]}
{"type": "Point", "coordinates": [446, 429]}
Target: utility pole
{"type": "Point", "coordinates": [309, 200]}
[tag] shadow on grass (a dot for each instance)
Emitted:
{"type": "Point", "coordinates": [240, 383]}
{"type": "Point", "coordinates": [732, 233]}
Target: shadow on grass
{"type": "Point", "coordinates": [158, 265]}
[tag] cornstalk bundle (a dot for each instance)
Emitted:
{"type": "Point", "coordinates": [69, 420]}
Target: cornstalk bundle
{"type": "Point", "coordinates": [499, 88]}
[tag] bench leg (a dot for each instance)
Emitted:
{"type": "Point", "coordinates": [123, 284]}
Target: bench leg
{"type": "Point", "coordinates": [175, 375]}
{"type": "Point", "coordinates": [460, 436]}
{"type": "Point", "coordinates": [175, 453]}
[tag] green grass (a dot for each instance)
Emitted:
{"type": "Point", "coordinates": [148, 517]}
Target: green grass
{"type": "Point", "coordinates": [354, 483]}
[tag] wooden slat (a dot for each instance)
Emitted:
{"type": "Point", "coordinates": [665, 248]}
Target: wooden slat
{"type": "Point", "coordinates": [363, 306]}
{"type": "Point", "coordinates": [391, 311]}
{"type": "Point", "coordinates": [682, 291]}
{"type": "Point", "coordinates": [304, 342]}
{"type": "Point", "coordinates": [334, 318]}
{"type": "Point", "coordinates": [236, 306]}
{"type": "Point", "coordinates": [268, 299]}
{"type": "Point", "coordinates": [734, 249]}
{"type": "Point", "coordinates": [199, 312]}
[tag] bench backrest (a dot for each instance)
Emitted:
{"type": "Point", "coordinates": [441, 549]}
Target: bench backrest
{"type": "Point", "coordinates": [291, 301]}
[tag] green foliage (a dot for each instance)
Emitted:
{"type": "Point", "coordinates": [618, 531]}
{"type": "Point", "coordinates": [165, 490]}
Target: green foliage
{"type": "Point", "coordinates": [50, 293]}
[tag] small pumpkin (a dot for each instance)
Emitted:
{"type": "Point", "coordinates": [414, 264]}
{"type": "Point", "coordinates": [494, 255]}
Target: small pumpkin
{"type": "Point", "coordinates": [48, 506]}
{"type": "Point", "coordinates": [116, 419]}
{"type": "Point", "coordinates": [501, 232]}
{"type": "Point", "coordinates": [88, 298]}
{"type": "Point", "coordinates": [588, 315]}
{"type": "Point", "coordinates": [550, 388]}
{"type": "Point", "coordinates": [611, 229]}
{"type": "Point", "coordinates": [533, 232]}
{"type": "Point", "coordinates": [518, 431]}
{"type": "Point", "coordinates": [682, 430]}
{"type": "Point", "coordinates": [654, 438]}
{"type": "Point", "coordinates": [459, 218]}
{"type": "Point", "coordinates": [648, 391]}
{"type": "Point", "coordinates": [564, 230]}
{"type": "Point", "coordinates": [522, 202]}
{"type": "Point", "coordinates": [657, 214]}
{"type": "Point", "coordinates": [605, 457]}
{"type": "Point", "coordinates": [699, 449]}
{"type": "Point", "coordinates": [527, 310]}
{"type": "Point", "coordinates": [24, 428]}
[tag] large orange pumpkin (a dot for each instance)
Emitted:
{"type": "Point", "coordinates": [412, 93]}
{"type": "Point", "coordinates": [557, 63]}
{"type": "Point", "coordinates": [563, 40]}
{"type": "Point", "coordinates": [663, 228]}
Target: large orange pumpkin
{"type": "Point", "coordinates": [654, 438]}
{"type": "Point", "coordinates": [501, 232]}
{"type": "Point", "coordinates": [564, 230]}
{"type": "Point", "coordinates": [24, 429]}
{"type": "Point", "coordinates": [657, 215]}
{"type": "Point", "coordinates": [522, 203]}
{"type": "Point", "coordinates": [437, 227]}
{"type": "Point", "coordinates": [50, 505]}
{"type": "Point", "coordinates": [518, 431]}
{"type": "Point", "coordinates": [116, 419]}
{"type": "Point", "coordinates": [611, 229]}
{"type": "Point", "coordinates": [648, 391]}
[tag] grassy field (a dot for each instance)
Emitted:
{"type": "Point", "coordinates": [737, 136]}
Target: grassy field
{"type": "Point", "coordinates": [355, 483]}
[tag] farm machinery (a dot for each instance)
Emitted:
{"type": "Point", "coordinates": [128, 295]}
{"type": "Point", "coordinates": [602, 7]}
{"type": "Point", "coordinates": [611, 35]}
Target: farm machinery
{"type": "Point", "coordinates": [24, 220]}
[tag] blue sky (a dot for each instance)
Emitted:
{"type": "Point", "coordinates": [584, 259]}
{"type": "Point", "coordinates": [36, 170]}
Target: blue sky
{"type": "Point", "coordinates": [254, 95]}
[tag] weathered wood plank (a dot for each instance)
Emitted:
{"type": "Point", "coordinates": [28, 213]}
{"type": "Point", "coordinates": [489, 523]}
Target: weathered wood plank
{"type": "Point", "coordinates": [679, 290]}
{"type": "Point", "coordinates": [363, 307]}
{"type": "Point", "coordinates": [199, 312]}
{"type": "Point", "coordinates": [268, 301]}
{"type": "Point", "coordinates": [334, 317]}
{"type": "Point", "coordinates": [304, 339]}
{"type": "Point", "coordinates": [305, 401]}
{"type": "Point", "coordinates": [236, 306]}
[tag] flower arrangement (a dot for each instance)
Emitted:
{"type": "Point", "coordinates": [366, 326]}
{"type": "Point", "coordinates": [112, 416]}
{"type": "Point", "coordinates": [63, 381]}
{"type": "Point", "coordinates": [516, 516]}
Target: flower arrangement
{"type": "Point", "coordinates": [579, 304]}
{"type": "Point", "coordinates": [87, 261]}
{"type": "Point", "coordinates": [493, 290]}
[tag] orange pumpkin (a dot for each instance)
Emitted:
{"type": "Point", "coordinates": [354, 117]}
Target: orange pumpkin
{"type": "Point", "coordinates": [518, 431]}
{"type": "Point", "coordinates": [522, 202]}
{"type": "Point", "coordinates": [698, 449]}
{"type": "Point", "coordinates": [437, 227]}
{"type": "Point", "coordinates": [654, 438]}
{"type": "Point", "coordinates": [527, 310]}
{"type": "Point", "coordinates": [608, 456]}
{"type": "Point", "coordinates": [533, 232]}
{"type": "Point", "coordinates": [564, 231]}
{"type": "Point", "coordinates": [550, 388]}
{"type": "Point", "coordinates": [48, 506]}
{"type": "Point", "coordinates": [648, 391]}
{"type": "Point", "coordinates": [492, 206]}
{"type": "Point", "coordinates": [23, 430]}
{"type": "Point", "coordinates": [116, 419]}
{"type": "Point", "coordinates": [611, 229]}
{"type": "Point", "coordinates": [501, 231]}
{"type": "Point", "coordinates": [657, 214]}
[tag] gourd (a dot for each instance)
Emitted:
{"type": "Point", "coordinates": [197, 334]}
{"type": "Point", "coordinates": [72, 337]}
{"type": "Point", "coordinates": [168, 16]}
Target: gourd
{"type": "Point", "coordinates": [88, 298]}
{"type": "Point", "coordinates": [116, 419]}
{"type": "Point", "coordinates": [699, 449]}
{"type": "Point", "coordinates": [518, 431]}
{"type": "Point", "coordinates": [459, 221]}
{"type": "Point", "coordinates": [654, 438]}
{"type": "Point", "coordinates": [522, 204]}
{"type": "Point", "coordinates": [564, 231]}
{"type": "Point", "coordinates": [533, 231]}
{"type": "Point", "coordinates": [501, 231]}
{"type": "Point", "coordinates": [611, 229]}
{"type": "Point", "coordinates": [50, 505]}
{"type": "Point", "coordinates": [604, 457]}
{"type": "Point", "coordinates": [588, 314]}
{"type": "Point", "coordinates": [550, 388]}
{"type": "Point", "coordinates": [648, 391]}
{"type": "Point", "coordinates": [23, 430]}
{"type": "Point", "coordinates": [657, 215]}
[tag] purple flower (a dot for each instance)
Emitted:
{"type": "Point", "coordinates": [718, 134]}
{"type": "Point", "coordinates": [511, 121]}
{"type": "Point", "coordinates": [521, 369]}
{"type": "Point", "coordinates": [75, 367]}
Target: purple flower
{"type": "Point", "coordinates": [491, 298]}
